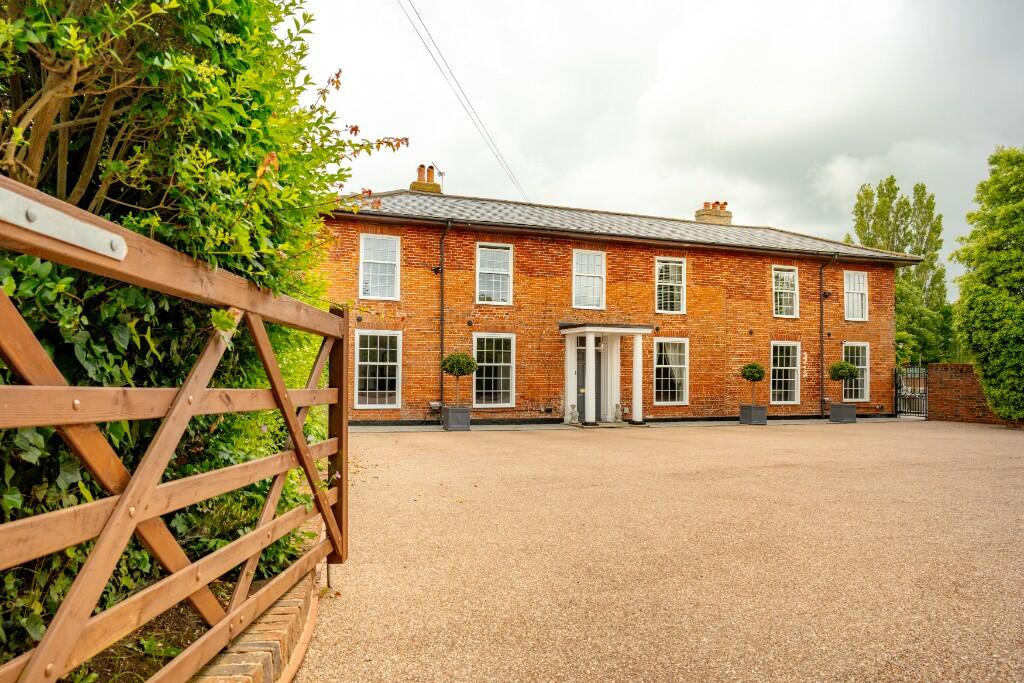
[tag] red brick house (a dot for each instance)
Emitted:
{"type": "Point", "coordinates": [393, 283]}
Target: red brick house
{"type": "Point", "coordinates": [580, 315]}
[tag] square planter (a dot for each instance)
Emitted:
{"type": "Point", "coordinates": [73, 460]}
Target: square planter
{"type": "Point", "coordinates": [753, 415]}
{"type": "Point", "coordinates": [842, 413]}
{"type": "Point", "coordinates": [455, 418]}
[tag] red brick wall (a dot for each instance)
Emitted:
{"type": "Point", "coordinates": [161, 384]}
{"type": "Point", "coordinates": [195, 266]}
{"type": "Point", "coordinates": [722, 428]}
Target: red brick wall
{"type": "Point", "coordinates": [955, 395]}
{"type": "Point", "coordinates": [728, 319]}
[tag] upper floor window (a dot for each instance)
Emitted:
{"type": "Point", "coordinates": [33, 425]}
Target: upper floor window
{"type": "Point", "coordinates": [378, 369]}
{"type": "Point", "coordinates": [588, 279]}
{"type": "Point", "coordinates": [671, 373]}
{"type": "Point", "coordinates": [785, 378]}
{"type": "Point", "coordinates": [855, 284]}
{"type": "Point", "coordinates": [857, 354]}
{"type": "Point", "coordinates": [494, 382]}
{"type": "Point", "coordinates": [785, 296]}
{"type": "Point", "coordinates": [378, 266]}
{"type": "Point", "coordinates": [493, 273]}
{"type": "Point", "coordinates": [670, 285]}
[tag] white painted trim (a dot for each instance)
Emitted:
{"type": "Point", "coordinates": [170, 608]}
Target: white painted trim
{"type": "Point", "coordinates": [511, 260]}
{"type": "Point", "coordinates": [355, 374]}
{"type": "Point", "coordinates": [604, 279]}
{"type": "Point", "coordinates": [796, 291]}
{"type": "Point", "coordinates": [512, 383]}
{"type": "Point", "coordinates": [398, 266]}
{"type": "Point", "coordinates": [771, 367]}
{"type": "Point", "coordinates": [654, 371]}
{"type": "Point", "coordinates": [607, 329]}
{"type": "Point", "coordinates": [867, 298]}
{"type": "Point", "coordinates": [867, 373]}
{"type": "Point", "coordinates": [669, 259]}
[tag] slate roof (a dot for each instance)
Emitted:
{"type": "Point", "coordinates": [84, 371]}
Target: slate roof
{"type": "Point", "coordinates": [510, 214]}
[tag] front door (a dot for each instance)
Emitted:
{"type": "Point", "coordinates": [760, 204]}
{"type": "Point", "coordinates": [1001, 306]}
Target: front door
{"type": "Point", "coordinates": [581, 377]}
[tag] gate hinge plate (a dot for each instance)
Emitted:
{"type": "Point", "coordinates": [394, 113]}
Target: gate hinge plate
{"type": "Point", "coordinates": [39, 218]}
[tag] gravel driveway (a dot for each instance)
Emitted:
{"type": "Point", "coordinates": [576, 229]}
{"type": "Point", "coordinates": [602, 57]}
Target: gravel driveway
{"type": "Point", "coordinates": [868, 552]}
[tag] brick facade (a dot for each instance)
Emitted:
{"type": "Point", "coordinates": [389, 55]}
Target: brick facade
{"type": "Point", "coordinates": [955, 395]}
{"type": "Point", "coordinates": [728, 319]}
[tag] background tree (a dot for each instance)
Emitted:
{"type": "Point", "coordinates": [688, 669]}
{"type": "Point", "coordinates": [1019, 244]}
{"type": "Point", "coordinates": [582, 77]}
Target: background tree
{"type": "Point", "coordinates": [188, 121]}
{"type": "Point", "coordinates": [990, 312]}
{"type": "Point", "coordinates": [884, 218]}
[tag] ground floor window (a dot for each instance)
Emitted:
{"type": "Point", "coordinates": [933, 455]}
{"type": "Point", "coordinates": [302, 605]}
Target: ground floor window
{"type": "Point", "coordinates": [785, 378]}
{"type": "Point", "coordinates": [856, 354]}
{"type": "Point", "coordinates": [671, 371]}
{"type": "Point", "coordinates": [378, 369]}
{"type": "Point", "coordinates": [494, 380]}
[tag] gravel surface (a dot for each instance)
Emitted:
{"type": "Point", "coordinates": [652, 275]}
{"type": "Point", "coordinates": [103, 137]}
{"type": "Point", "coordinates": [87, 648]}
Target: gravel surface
{"type": "Point", "coordinates": [866, 552]}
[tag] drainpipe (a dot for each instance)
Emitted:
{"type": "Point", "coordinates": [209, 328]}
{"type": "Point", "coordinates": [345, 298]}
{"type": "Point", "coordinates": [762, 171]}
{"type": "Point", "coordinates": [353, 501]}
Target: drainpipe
{"type": "Point", "coordinates": [440, 271]}
{"type": "Point", "coordinates": [821, 333]}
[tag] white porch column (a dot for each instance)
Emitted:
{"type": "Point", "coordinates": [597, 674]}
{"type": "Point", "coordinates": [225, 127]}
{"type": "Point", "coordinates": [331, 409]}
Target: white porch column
{"type": "Point", "coordinates": [637, 411]}
{"type": "Point", "coordinates": [570, 380]}
{"type": "Point", "coordinates": [589, 415]}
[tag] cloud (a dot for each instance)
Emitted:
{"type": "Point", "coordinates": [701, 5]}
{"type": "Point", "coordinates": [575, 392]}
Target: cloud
{"type": "Point", "coordinates": [783, 109]}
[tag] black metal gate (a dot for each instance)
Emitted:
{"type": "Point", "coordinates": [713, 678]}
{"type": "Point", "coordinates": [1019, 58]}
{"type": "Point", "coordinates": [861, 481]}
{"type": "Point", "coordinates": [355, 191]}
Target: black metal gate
{"type": "Point", "coordinates": [911, 383]}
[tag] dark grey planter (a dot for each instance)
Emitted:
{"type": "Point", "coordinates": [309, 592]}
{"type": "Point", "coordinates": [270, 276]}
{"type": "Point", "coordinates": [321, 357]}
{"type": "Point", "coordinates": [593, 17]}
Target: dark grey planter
{"type": "Point", "coordinates": [842, 413]}
{"type": "Point", "coordinates": [753, 415]}
{"type": "Point", "coordinates": [455, 418]}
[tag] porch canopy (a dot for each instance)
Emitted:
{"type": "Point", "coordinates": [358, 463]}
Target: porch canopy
{"type": "Point", "coordinates": [592, 410]}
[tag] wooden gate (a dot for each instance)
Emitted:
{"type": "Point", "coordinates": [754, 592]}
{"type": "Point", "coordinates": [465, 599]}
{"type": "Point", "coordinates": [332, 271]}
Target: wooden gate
{"type": "Point", "coordinates": [37, 224]}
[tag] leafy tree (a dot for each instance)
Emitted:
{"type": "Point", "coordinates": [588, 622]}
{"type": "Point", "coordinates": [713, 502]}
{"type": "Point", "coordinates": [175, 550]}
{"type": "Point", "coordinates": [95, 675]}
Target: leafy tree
{"type": "Point", "coordinates": [182, 120]}
{"type": "Point", "coordinates": [458, 364]}
{"type": "Point", "coordinates": [883, 218]}
{"type": "Point", "coordinates": [753, 373]}
{"type": "Point", "coordinates": [990, 312]}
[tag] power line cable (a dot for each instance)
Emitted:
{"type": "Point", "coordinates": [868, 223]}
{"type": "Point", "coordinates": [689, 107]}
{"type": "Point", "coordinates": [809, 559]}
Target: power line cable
{"type": "Point", "coordinates": [464, 101]}
{"type": "Point", "coordinates": [466, 97]}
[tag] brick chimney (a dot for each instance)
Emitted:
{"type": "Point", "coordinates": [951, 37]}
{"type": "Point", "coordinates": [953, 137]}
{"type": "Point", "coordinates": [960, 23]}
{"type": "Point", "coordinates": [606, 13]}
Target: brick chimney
{"type": "Point", "coordinates": [714, 212]}
{"type": "Point", "coordinates": [425, 180]}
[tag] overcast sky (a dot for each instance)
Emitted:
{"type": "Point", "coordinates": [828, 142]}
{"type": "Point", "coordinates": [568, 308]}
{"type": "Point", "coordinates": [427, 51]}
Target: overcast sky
{"type": "Point", "coordinates": [781, 109]}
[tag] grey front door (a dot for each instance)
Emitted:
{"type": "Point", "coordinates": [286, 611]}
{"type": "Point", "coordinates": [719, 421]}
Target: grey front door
{"type": "Point", "coordinates": [581, 378]}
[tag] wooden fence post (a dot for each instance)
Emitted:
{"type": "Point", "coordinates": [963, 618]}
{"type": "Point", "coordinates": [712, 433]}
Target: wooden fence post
{"type": "Point", "coordinates": [337, 427]}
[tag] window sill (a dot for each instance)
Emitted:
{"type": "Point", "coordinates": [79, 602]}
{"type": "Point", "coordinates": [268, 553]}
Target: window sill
{"type": "Point", "coordinates": [589, 308]}
{"type": "Point", "coordinates": [670, 312]}
{"type": "Point", "coordinates": [675, 403]}
{"type": "Point", "coordinates": [493, 303]}
{"type": "Point", "coordinates": [387, 407]}
{"type": "Point", "coordinates": [786, 317]}
{"type": "Point", "coordinates": [363, 297]}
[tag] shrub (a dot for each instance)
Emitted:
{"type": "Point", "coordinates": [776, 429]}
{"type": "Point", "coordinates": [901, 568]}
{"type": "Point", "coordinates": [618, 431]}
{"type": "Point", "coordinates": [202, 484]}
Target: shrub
{"type": "Point", "coordinates": [753, 373]}
{"type": "Point", "coordinates": [458, 364]}
{"type": "Point", "coordinates": [843, 371]}
{"type": "Point", "coordinates": [182, 120]}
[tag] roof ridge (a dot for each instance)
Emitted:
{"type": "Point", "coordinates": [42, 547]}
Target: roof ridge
{"type": "Point", "coordinates": [682, 223]}
{"type": "Point", "coordinates": [567, 208]}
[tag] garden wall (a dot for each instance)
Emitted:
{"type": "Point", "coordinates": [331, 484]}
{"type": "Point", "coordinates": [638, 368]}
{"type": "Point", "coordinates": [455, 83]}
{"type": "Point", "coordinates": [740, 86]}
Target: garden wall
{"type": "Point", "coordinates": [955, 395]}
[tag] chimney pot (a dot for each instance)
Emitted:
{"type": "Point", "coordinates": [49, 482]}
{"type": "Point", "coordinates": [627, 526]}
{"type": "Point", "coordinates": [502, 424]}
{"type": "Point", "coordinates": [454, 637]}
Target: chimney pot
{"type": "Point", "coordinates": [716, 212]}
{"type": "Point", "coordinates": [425, 180]}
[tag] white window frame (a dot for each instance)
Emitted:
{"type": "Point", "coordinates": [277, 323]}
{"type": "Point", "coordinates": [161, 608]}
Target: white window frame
{"type": "Point", "coordinates": [846, 294]}
{"type": "Point", "coordinates": [799, 369]}
{"type": "Point", "coordinates": [398, 389]}
{"type": "Point", "coordinates": [686, 376]}
{"type": "Point", "coordinates": [796, 291]}
{"type": "Point", "coordinates": [867, 372]}
{"type": "Point", "coordinates": [658, 260]}
{"type": "Point", "coordinates": [512, 377]}
{"type": "Point", "coordinates": [398, 266]}
{"type": "Point", "coordinates": [511, 259]}
{"type": "Point", "coordinates": [604, 279]}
